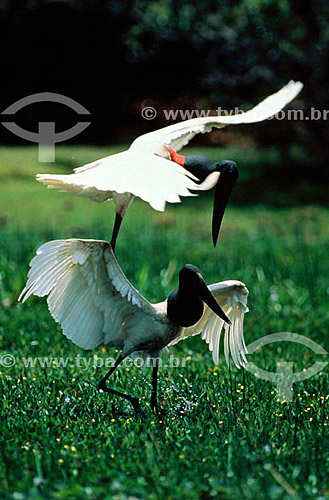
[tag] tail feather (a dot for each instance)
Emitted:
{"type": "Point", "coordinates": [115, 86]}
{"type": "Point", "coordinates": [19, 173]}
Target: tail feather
{"type": "Point", "coordinates": [64, 182]}
{"type": "Point", "coordinates": [70, 184]}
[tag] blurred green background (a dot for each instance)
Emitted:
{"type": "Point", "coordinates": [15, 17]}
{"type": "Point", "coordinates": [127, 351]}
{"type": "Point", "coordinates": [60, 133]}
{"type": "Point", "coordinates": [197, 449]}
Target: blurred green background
{"type": "Point", "coordinates": [221, 434]}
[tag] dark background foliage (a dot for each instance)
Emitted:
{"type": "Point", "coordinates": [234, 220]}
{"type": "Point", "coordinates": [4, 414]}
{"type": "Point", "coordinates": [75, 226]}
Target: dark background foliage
{"type": "Point", "coordinates": [116, 57]}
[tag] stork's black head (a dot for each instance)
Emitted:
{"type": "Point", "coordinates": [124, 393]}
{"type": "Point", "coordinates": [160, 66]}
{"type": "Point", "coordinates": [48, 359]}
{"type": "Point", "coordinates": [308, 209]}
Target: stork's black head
{"type": "Point", "coordinates": [185, 305]}
{"type": "Point", "coordinates": [189, 278]}
{"type": "Point", "coordinates": [201, 167]}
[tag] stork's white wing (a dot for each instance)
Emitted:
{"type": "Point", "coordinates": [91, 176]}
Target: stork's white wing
{"type": "Point", "coordinates": [178, 135]}
{"type": "Point", "coordinates": [145, 170]}
{"type": "Point", "coordinates": [232, 296]}
{"type": "Point", "coordinates": [152, 178]}
{"type": "Point", "coordinates": [88, 294]}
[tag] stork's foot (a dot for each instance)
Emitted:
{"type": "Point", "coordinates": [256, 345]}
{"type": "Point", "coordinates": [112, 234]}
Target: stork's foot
{"type": "Point", "coordinates": [134, 401]}
{"type": "Point", "coordinates": [136, 405]}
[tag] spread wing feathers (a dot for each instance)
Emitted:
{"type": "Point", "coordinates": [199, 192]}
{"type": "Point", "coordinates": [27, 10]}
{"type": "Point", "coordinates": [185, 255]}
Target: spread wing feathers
{"type": "Point", "coordinates": [232, 296]}
{"type": "Point", "coordinates": [145, 170]}
{"type": "Point", "coordinates": [178, 135]}
{"type": "Point", "coordinates": [88, 294]}
{"type": "Point", "coordinates": [152, 178]}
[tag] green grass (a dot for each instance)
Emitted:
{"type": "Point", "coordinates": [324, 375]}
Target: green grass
{"type": "Point", "coordinates": [222, 434]}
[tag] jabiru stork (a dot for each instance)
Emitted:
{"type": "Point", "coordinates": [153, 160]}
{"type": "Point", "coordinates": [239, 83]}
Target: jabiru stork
{"type": "Point", "coordinates": [95, 304]}
{"type": "Point", "coordinates": [145, 169]}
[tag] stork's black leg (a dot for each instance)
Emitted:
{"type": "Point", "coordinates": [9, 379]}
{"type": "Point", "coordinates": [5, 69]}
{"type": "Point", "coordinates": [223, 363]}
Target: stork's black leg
{"type": "Point", "coordinates": [116, 227]}
{"type": "Point", "coordinates": [154, 402]}
{"type": "Point", "coordinates": [102, 385]}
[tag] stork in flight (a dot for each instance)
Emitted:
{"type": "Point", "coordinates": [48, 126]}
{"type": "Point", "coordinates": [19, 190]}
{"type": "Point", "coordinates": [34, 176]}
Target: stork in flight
{"type": "Point", "coordinates": [93, 301]}
{"type": "Point", "coordinates": [146, 170]}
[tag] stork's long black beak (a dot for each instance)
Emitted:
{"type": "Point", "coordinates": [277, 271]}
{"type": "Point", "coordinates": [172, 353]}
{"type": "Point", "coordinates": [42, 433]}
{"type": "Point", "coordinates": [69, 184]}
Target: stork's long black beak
{"type": "Point", "coordinates": [228, 176]}
{"type": "Point", "coordinates": [207, 297]}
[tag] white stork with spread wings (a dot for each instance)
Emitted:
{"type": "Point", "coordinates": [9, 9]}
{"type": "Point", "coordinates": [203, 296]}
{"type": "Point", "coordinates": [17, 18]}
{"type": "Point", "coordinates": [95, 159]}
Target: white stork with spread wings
{"type": "Point", "coordinates": [146, 170]}
{"type": "Point", "coordinates": [95, 304]}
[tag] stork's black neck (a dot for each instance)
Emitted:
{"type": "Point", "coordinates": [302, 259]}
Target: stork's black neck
{"type": "Point", "coordinates": [185, 305]}
{"type": "Point", "coordinates": [201, 167]}
{"type": "Point", "coordinates": [184, 308]}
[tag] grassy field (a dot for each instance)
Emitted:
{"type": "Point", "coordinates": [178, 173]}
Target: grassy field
{"type": "Point", "coordinates": [222, 434]}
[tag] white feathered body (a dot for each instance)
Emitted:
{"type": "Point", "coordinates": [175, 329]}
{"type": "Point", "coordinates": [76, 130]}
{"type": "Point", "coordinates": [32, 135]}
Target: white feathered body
{"type": "Point", "coordinates": [93, 301]}
{"type": "Point", "coordinates": [124, 175]}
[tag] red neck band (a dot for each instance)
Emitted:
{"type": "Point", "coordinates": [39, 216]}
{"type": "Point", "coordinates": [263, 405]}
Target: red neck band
{"type": "Point", "coordinates": [177, 158]}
